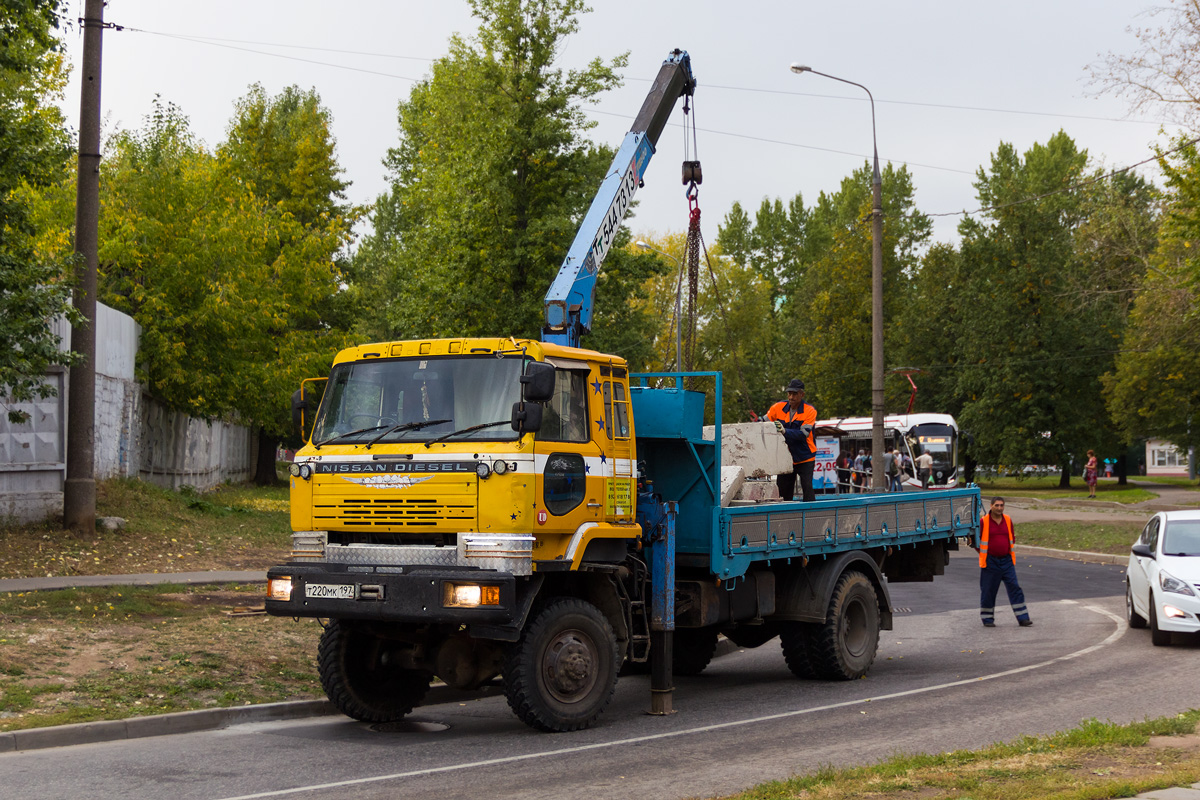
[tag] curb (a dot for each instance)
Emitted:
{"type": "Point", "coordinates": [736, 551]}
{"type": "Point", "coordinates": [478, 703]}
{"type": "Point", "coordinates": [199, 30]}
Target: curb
{"type": "Point", "coordinates": [205, 719]}
{"type": "Point", "coordinates": [1072, 555]}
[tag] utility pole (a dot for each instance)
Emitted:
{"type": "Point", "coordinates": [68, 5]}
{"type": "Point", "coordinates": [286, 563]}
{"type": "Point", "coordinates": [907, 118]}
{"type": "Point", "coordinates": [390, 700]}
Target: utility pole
{"type": "Point", "coordinates": [79, 490]}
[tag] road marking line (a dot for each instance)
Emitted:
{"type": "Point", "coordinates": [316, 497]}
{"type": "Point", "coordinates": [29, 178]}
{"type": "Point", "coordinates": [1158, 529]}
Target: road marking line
{"type": "Point", "coordinates": [1110, 639]}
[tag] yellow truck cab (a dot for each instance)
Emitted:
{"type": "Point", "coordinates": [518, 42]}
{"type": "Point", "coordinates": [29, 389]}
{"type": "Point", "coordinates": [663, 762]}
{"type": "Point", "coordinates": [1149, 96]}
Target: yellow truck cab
{"type": "Point", "coordinates": [415, 443]}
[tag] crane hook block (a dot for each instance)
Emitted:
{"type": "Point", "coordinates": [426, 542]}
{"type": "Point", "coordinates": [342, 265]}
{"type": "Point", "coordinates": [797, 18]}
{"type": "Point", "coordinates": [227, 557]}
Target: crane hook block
{"type": "Point", "coordinates": [692, 173]}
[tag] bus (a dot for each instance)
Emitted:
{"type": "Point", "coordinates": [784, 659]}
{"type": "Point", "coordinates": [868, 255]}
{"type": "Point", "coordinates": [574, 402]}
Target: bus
{"type": "Point", "coordinates": [913, 434]}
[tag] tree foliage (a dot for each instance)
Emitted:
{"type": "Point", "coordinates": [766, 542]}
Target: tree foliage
{"type": "Point", "coordinates": [1154, 389]}
{"type": "Point", "coordinates": [34, 152]}
{"type": "Point", "coordinates": [488, 184]}
{"type": "Point", "coordinates": [1045, 281]}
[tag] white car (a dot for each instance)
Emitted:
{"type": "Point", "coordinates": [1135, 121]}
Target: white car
{"type": "Point", "coordinates": [1162, 581]}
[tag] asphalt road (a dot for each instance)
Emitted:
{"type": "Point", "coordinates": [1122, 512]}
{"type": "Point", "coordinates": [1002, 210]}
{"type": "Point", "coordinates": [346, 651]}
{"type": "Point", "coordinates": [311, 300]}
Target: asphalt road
{"type": "Point", "coordinates": [940, 682]}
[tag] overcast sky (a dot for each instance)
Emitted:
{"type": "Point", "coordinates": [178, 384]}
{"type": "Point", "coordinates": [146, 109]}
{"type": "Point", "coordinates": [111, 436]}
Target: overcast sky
{"type": "Point", "coordinates": [950, 79]}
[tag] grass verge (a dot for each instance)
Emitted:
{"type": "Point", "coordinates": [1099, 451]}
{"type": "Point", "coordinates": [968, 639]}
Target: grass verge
{"type": "Point", "coordinates": [232, 527]}
{"type": "Point", "coordinates": [108, 653]}
{"type": "Point", "coordinates": [1047, 488]}
{"type": "Point", "coordinates": [1095, 760]}
{"type": "Point", "coordinates": [1091, 537]}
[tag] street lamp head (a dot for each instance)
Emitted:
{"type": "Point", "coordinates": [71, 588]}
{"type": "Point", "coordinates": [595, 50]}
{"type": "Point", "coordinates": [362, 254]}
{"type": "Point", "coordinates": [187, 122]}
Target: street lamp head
{"type": "Point", "coordinates": [799, 68]}
{"type": "Point", "coordinates": [642, 245]}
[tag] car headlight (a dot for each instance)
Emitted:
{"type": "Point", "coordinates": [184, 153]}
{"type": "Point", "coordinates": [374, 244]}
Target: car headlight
{"type": "Point", "coordinates": [500, 467]}
{"type": "Point", "coordinates": [294, 469]}
{"type": "Point", "coordinates": [482, 470]}
{"type": "Point", "coordinates": [1170, 583]}
{"type": "Point", "coordinates": [469, 595]}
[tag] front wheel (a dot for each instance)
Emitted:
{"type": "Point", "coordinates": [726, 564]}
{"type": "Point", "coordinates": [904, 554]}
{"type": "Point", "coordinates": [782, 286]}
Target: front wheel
{"type": "Point", "coordinates": [1158, 638]}
{"type": "Point", "coordinates": [562, 672]}
{"type": "Point", "coordinates": [844, 645]}
{"type": "Point", "coordinates": [359, 674]}
{"type": "Point", "coordinates": [1135, 619]}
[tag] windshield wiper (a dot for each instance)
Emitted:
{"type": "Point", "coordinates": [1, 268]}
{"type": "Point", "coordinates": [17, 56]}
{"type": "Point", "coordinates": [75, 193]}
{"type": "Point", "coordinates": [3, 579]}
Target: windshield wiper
{"type": "Point", "coordinates": [479, 427]}
{"type": "Point", "coordinates": [407, 426]}
{"type": "Point", "coordinates": [344, 435]}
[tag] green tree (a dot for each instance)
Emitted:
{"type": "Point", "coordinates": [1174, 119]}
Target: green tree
{"type": "Point", "coordinates": [230, 288]}
{"type": "Point", "coordinates": [1042, 280]}
{"type": "Point", "coordinates": [34, 152]}
{"type": "Point", "coordinates": [1154, 389]}
{"type": "Point", "coordinates": [488, 184]}
{"type": "Point", "coordinates": [829, 314]}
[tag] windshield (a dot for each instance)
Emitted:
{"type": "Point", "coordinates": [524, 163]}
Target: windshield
{"type": "Point", "coordinates": [935, 439]}
{"type": "Point", "coordinates": [418, 399]}
{"type": "Point", "coordinates": [1182, 538]}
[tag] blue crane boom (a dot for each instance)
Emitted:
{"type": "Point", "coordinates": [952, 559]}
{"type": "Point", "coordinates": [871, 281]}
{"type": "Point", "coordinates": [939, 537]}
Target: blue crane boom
{"type": "Point", "coordinates": [569, 302]}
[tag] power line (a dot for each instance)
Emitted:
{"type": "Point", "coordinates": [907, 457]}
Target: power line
{"type": "Point", "coordinates": [1072, 187]}
{"type": "Point", "coordinates": [217, 41]}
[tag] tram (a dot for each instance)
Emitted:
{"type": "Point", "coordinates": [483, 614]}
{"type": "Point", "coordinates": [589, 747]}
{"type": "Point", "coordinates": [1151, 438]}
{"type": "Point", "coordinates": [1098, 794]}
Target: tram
{"type": "Point", "coordinates": [914, 434]}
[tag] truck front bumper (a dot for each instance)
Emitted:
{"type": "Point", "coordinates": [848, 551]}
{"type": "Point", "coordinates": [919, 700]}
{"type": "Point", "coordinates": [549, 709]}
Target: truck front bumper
{"type": "Point", "coordinates": [402, 594]}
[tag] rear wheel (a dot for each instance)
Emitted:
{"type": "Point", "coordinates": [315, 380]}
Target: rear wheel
{"type": "Point", "coordinates": [1135, 619]}
{"type": "Point", "coordinates": [844, 646]}
{"type": "Point", "coordinates": [359, 674]}
{"type": "Point", "coordinates": [1158, 638]}
{"type": "Point", "coordinates": [562, 672]}
{"type": "Point", "coordinates": [692, 649]}
{"type": "Point", "coordinates": [796, 639]}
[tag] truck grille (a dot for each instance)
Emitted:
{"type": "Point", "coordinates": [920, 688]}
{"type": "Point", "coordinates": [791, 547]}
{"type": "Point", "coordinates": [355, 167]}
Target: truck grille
{"type": "Point", "coordinates": [410, 513]}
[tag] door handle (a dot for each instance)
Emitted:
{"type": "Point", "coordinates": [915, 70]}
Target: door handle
{"type": "Point", "coordinates": [593, 505]}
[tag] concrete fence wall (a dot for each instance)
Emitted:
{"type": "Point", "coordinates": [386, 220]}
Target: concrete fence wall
{"type": "Point", "coordinates": [136, 435]}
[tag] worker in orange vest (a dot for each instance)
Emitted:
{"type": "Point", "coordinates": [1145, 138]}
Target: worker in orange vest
{"type": "Point", "coordinates": [997, 566]}
{"type": "Point", "coordinates": [795, 419]}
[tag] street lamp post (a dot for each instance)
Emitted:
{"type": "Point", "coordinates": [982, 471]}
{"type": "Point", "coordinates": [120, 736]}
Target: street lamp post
{"type": "Point", "coordinates": [678, 291]}
{"type": "Point", "coordinates": [878, 479]}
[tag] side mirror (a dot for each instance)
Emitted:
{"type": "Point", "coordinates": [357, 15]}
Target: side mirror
{"type": "Point", "coordinates": [1142, 550]}
{"type": "Point", "coordinates": [538, 382]}
{"type": "Point", "coordinates": [527, 417]}
{"type": "Point", "coordinates": [298, 409]}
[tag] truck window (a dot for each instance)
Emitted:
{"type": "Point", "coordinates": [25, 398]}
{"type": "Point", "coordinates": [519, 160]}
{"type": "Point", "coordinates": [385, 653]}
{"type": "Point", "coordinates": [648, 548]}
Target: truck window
{"type": "Point", "coordinates": [615, 399]}
{"type": "Point", "coordinates": [566, 417]}
{"type": "Point", "coordinates": [563, 483]}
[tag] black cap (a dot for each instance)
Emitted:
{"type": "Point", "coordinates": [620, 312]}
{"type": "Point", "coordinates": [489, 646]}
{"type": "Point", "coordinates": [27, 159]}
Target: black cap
{"type": "Point", "coordinates": [796, 385]}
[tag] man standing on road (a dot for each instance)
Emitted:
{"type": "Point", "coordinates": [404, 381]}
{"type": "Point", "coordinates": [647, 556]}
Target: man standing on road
{"type": "Point", "coordinates": [795, 419]}
{"type": "Point", "coordinates": [924, 468]}
{"type": "Point", "coordinates": [996, 565]}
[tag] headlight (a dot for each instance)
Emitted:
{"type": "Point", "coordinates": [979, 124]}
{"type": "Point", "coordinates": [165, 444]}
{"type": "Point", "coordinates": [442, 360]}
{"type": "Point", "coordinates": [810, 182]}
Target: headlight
{"type": "Point", "coordinates": [280, 588]}
{"type": "Point", "coordinates": [469, 595]}
{"type": "Point", "coordinates": [500, 467]}
{"type": "Point", "coordinates": [1170, 583]}
{"type": "Point", "coordinates": [294, 469]}
{"type": "Point", "coordinates": [482, 470]}
{"type": "Point", "coordinates": [305, 471]}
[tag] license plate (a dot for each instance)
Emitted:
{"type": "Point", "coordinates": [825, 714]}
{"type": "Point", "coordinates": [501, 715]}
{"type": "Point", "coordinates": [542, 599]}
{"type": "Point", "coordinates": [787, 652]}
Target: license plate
{"type": "Point", "coordinates": [339, 591]}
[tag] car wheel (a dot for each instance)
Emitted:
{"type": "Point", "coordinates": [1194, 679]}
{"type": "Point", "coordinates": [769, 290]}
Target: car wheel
{"type": "Point", "coordinates": [1135, 619]}
{"type": "Point", "coordinates": [1158, 638]}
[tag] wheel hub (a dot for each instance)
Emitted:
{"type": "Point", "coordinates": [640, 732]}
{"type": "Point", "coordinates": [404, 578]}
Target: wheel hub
{"type": "Point", "coordinates": [570, 666]}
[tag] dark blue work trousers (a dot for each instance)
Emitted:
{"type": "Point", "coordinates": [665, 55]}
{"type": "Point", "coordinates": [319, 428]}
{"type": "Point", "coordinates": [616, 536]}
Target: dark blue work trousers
{"type": "Point", "coordinates": [1000, 569]}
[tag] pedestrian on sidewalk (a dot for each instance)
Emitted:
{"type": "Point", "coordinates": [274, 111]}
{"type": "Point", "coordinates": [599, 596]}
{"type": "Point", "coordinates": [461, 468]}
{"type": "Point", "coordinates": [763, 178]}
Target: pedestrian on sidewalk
{"type": "Point", "coordinates": [924, 468]}
{"type": "Point", "coordinates": [996, 566]}
{"type": "Point", "coordinates": [1091, 473]}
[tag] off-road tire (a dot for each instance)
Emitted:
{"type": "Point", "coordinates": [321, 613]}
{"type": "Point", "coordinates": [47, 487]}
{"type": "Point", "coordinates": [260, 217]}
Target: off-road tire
{"type": "Point", "coordinates": [844, 645]}
{"type": "Point", "coordinates": [692, 650]}
{"type": "Point", "coordinates": [354, 670]}
{"type": "Point", "coordinates": [1158, 637]}
{"type": "Point", "coordinates": [1135, 619]}
{"type": "Point", "coordinates": [796, 641]}
{"type": "Point", "coordinates": [561, 674]}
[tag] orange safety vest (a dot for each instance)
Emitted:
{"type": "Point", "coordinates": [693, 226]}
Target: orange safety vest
{"type": "Point", "coordinates": [983, 537]}
{"type": "Point", "coordinates": [782, 412]}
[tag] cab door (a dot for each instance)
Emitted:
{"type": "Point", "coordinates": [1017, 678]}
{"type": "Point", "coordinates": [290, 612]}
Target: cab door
{"type": "Point", "coordinates": [568, 460]}
{"type": "Point", "coordinates": [617, 444]}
